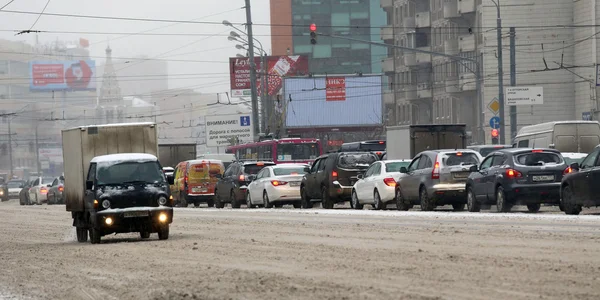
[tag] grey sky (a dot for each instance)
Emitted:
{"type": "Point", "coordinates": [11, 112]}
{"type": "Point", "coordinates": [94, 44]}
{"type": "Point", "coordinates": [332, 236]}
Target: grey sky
{"type": "Point", "coordinates": [216, 49]}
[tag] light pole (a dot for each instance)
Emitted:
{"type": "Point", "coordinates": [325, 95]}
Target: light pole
{"type": "Point", "coordinates": [500, 73]}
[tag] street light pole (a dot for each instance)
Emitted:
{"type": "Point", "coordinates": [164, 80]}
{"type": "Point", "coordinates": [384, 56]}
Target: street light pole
{"type": "Point", "coordinates": [500, 74]}
{"type": "Point", "coordinates": [253, 92]}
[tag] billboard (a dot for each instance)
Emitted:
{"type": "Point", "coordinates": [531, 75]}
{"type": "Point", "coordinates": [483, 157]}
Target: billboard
{"type": "Point", "coordinates": [277, 67]}
{"type": "Point", "coordinates": [51, 154]}
{"type": "Point", "coordinates": [62, 75]}
{"type": "Point", "coordinates": [338, 101]}
{"type": "Point", "coordinates": [222, 130]}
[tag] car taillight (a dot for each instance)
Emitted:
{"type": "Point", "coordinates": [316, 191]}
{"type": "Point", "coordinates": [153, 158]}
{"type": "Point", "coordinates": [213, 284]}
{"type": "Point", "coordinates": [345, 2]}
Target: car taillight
{"type": "Point", "coordinates": [389, 181]}
{"type": "Point", "coordinates": [61, 188]}
{"type": "Point", "coordinates": [435, 174]}
{"type": "Point", "coordinates": [242, 177]}
{"type": "Point", "coordinates": [568, 170]}
{"type": "Point", "coordinates": [43, 190]}
{"type": "Point", "coordinates": [512, 173]}
{"type": "Point", "coordinates": [278, 183]}
{"type": "Point", "coordinates": [334, 174]}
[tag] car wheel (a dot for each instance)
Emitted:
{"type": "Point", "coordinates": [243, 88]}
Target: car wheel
{"type": "Point", "coordinates": [182, 200]}
{"type": "Point", "coordinates": [163, 232]}
{"type": "Point", "coordinates": [305, 200]}
{"type": "Point", "coordinates": [378, 205]}
{"type": "Point", "coordinates": [533, 208]}
{"type": "Point", "coordinates": [278, 205]}
{"type": "Point", "coordinates": [296, 204]}
{"type": "Point", "coordinates": [355, 203]}
{"type": "Point", "coordinates": [37, 201]}
{"type": "Point", "coordinates": [235, 203]}
{"type": "Point", "coordinates": [472, 204]}
{"type": "Point", "coordinates": [82, 234]}
{"type": "Point", "coordinates": [458, 206]}
{"type": "Point", "coordinates": [266, 200]}
{"type": "Point", "coordinates": [426, 202]}
{"type": "Point", "coordinates": [196, 204]}
{"type": "Point", "coordinates": [249, 201]}
{"type": "Point", "coordinates": [95, 236]}
{"type": "Point", "coordinates": [501, 202]}
{"type": "Point", "coordinates": [144, 234]}
{"type": "Point", "coordinates": [217, 200]}
{"type": "Point", "coordinates": [571, 208]}
{"type": "Point", "coordinates": [560, 206]}
{"type": "Point", "coordinates": [326, 201]}
{"type": "Point", "coordinates": [210, 203]}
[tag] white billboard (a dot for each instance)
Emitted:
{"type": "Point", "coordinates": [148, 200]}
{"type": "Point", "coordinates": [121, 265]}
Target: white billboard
{"type": "Point", "coordinates": [51, 154]}
{"type": "Point", "coordinates": [221, 130]}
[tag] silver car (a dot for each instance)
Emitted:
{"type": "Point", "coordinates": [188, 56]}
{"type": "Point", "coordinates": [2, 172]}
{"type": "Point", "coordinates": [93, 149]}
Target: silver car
{"type": "Point", "coordinates": [436, 178]}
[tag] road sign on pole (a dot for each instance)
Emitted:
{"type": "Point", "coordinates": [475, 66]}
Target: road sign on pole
{"type": "Point", "coordinates": [495, 122]}
{"type": "Point", "coordinates": [524, 95]}
{"type": "Point", "coordinates": [494, 106]}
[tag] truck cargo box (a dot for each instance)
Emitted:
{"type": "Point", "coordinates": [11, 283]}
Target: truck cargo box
{"type": "Point", "coordinates": [81, 144]}
{"type": "Point", "coordinates": [404, 142]}
{"type": "Point", "coordinates": [170, 155]}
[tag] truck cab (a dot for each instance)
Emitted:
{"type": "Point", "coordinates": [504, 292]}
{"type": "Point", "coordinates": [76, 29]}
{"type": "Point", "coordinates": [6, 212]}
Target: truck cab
{"type": "Point", "coordinates": [124, 193]}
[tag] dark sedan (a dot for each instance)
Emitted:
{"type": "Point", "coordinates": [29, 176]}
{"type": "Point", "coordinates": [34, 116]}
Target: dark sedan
{"type": "Point", "coordinates": [581, 188]}
{"type": "Point", "coordinates": [509, 177]}
{"type": "Point", "coordinates": [24, 194]}
{"type": "Point", "coordinates": [55, 192]}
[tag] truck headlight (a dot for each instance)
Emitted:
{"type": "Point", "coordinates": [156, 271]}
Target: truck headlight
{"type": "Point", "coordinates": [106, 204]}
{"type": "Point", "coordinates": [162, 200]}
{"type": "Point", "coordinates": [162, 217]}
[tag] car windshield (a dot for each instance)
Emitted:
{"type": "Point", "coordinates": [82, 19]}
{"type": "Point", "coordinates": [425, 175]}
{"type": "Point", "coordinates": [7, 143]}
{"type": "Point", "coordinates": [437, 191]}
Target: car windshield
{"type": "Point", "coordinates": [396, 166]}
{"type": "Point", "coordinates": [538, 158]}
{"type": "Point", "coordinates": [253, 169]}
{"type": "Point", "coordinates": [289, 152]}
{"type": "Point", "coordinates": [47, 180]}
{"type": "Point", "coordinates": [460, 158]}
{"type": "Point", "coordinates": [15, 184]}
{"type": "Point", "coordinates": [573, 159]}
{"type": "Point", "coordinates": [356, 160]}
{"type": "Point", "coordinates": [289, 171]}
{"type": "Point", "coordinates": [129, 171]}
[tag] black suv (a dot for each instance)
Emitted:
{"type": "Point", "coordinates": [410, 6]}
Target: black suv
{"type": "Point", "coordinates": [332, 176]}
{"type": "Point", "coordinates": [581, 187]}
{"type": "Point", "coordinates": [233, 185]}
{"type": "Point", "coordinates": [516, 176]}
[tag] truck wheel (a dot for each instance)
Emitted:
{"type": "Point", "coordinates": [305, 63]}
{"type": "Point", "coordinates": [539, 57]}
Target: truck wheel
{"type": "Point", "coordinates": [182, 201]}
{"type": "Point", "coordinates": [571, 208]}
{"type": "Point", "coordinates": [163, 232]}
{"type": "Point", "coordinates": [326, 201]}
{"type": "Point", "coordinates": [144, 234]}
{"type": "Point", "coordinates": [95, 236]}
{"type": "Point", "coordinates": [82, 234]}
{"type": "Point", "coordinates": [235, 203]}
{"type": "Point", "coordinates": [217, 200]}
{"type": "Point", "coordinates": [354, 202]}
{"type": "Point", "coordinates": [533, 208]}
{"type": "Point", "coordinates": [427, 204]}
{"type": "Point", "coordinates": [266, 201]}
{"type": "Point", "coordinates": [305, 200]}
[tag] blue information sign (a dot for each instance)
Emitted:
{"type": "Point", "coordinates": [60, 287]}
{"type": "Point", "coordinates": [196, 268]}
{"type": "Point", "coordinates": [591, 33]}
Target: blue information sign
{"type": "Point", "coordinates": [495, 122]}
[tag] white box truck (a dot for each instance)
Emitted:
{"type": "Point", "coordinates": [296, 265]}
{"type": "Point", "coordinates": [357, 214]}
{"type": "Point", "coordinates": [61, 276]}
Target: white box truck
{"type": "Point", "coordinates": [95, 191]}
{"type": "Point", "coordinates": [404, 142]}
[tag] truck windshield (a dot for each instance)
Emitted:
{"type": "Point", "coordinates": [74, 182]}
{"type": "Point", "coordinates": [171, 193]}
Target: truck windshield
{"type": "Point", "coordinates": [129, 171]}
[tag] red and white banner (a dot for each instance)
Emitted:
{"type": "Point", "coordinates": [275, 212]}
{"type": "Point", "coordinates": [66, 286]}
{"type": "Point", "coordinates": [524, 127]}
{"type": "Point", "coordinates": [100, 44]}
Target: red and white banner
{"type": "Point", "coordinates": [335, 89]}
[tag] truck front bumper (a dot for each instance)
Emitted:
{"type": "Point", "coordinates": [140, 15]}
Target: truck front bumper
{"type": "Point", "coordinates": [133, 219]}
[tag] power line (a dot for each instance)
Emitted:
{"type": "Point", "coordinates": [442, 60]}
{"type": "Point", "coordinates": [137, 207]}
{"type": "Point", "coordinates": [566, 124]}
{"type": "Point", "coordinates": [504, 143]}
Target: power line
{"type": "Point", "coordinates": [40, 15]}
{"type": "Point", "coordinates": [7, 4]}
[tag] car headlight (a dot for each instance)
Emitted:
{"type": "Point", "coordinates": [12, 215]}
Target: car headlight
{"type": "Point", "coordinates": [106, 204]}
{"type": "Point", "coordinates": [162, 200]}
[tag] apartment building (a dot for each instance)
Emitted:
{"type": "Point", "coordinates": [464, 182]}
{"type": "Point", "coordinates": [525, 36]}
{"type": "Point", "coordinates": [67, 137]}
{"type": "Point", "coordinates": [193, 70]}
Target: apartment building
{"type": "Point", "coordinates": [555, 48]}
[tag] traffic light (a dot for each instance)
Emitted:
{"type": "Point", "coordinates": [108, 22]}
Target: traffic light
{"type": "Point", "coordinates": [313, 34]}
{"type": "Point", "coordinates": [495, 135]}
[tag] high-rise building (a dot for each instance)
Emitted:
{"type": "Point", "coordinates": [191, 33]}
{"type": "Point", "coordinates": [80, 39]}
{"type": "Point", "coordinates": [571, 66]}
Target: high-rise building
{"type": "Point", "coordinates": [556, 48]}
{"type": "Point", "coordinates": [360, 19]}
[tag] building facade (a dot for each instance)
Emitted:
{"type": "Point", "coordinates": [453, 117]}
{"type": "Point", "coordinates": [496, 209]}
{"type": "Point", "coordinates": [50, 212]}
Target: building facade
{"type": "Point", "coordinates": [361, 19]}
{"type": "Point", "coordinates": [554, 45]}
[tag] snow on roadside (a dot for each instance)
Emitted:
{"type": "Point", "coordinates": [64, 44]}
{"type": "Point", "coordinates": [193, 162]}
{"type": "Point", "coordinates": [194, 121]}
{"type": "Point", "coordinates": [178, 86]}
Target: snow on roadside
{"type": "Point", "coordinates": [416, 214]}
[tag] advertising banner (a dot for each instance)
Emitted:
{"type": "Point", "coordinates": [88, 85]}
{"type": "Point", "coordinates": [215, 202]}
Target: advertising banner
{"type": "Point", "coordinates": [335, 89]}
{"type": "Point", "coordinates": [277, 67]}
{"type": "Point", "coordinates": [51, 154]}
{"type": "Point", "coordinates": [222, 130]}
{"type": "Point", "coordinates": [62, 75]}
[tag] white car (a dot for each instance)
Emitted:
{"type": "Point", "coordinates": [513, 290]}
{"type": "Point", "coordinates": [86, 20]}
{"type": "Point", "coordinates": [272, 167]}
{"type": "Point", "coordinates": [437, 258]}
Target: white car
{"type": "Point", "coordinates": [14, 188]}
{"type": "Point", "coordinates": [377, 186]}
{"type": "Point", "coordinates": [38, 193]}
{"type": "Point", "coordinates": [276, 185]}
{"type": "Point", "coordinates": [573, 157]}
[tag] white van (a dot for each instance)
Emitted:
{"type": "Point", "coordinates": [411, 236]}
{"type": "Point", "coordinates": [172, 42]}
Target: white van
{"type": "Point", "coordinates": [564, 136]}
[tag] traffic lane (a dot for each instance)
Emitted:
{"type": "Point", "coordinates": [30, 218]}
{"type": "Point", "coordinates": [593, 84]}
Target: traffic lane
{"type": "Point", "coordinates": [246, 254]}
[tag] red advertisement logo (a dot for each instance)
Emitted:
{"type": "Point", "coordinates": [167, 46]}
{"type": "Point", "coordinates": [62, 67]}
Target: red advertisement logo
{"type": "Point", "coordinates": [48, 74]}
{"type": "Point", "coordinates": [78, 75]}
{"type": "Point", "coordinates": [335, 89]}
{"type": "Point", "coordinates": [277, 67]}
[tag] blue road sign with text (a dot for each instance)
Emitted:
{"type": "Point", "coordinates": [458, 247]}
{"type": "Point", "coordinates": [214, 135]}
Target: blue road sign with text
{"type": "Point", "coordinates": [495, 122]}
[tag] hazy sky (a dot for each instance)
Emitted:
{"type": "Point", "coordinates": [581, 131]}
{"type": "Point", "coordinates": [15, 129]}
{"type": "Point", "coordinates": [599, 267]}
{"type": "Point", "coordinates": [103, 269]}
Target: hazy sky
{"type": "Point", "coordinates": [213, 51]}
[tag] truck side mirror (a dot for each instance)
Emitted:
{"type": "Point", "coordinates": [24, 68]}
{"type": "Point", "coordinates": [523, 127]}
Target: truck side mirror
{"type": "Point", "coordinates": [403, 170]}
{"type": "Point", "coordinates": [473, 169]}
{"type": "Point", "coordinates": [89, 185]}
{"type": "Point", "coordinates": [171, 179]}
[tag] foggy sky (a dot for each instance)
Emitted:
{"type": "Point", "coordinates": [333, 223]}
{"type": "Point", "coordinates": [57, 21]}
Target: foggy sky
{"type": "Point", "coordinates": [217, 49]}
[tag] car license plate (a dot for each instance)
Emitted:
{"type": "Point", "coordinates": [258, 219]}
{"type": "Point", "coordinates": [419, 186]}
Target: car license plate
{"type": "Point", "coordinates": [543, 178]}
{"type": "Point", "coordinates": [134, 214]}
{"type": "Point", "coordinates": [294, 183]}
{"type": "Point", "coordinates": [460, 174]}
